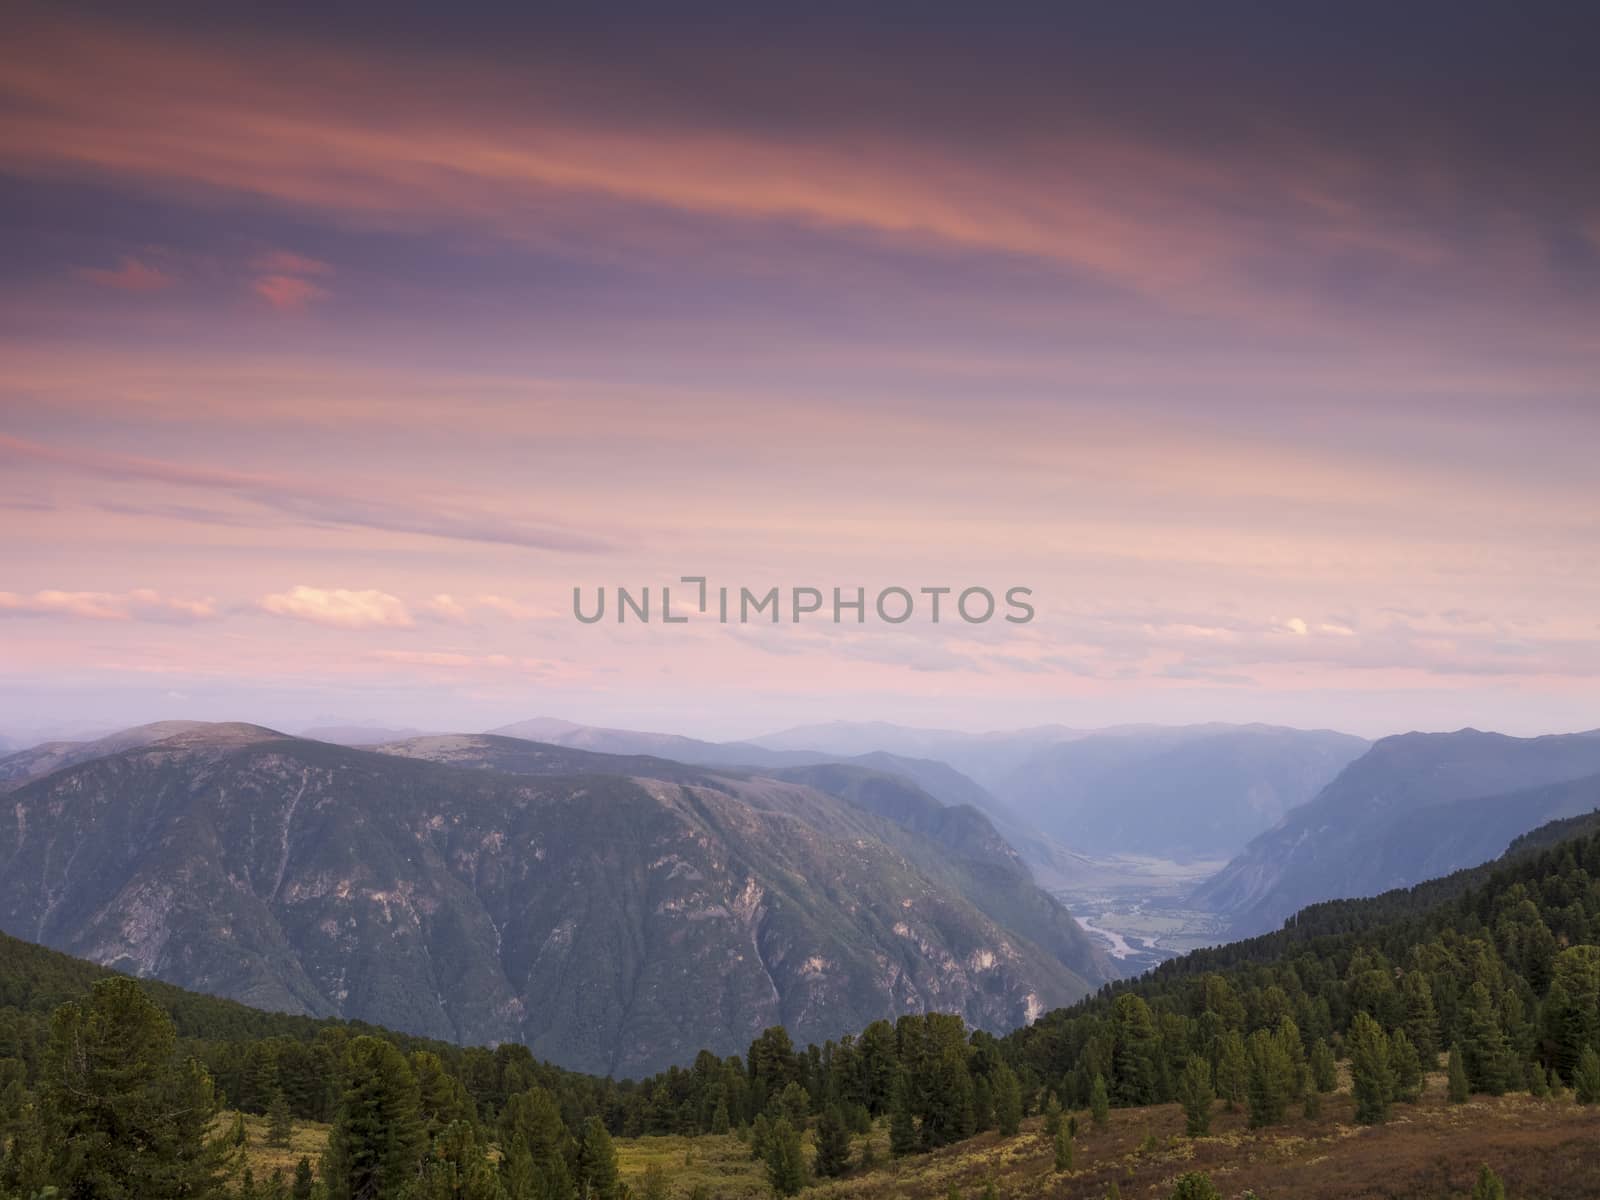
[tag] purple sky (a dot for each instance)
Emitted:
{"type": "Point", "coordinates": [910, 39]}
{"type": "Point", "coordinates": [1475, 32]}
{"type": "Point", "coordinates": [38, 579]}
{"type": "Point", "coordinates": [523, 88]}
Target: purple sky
{"type": "Point", "coordinates": [1266, 354]}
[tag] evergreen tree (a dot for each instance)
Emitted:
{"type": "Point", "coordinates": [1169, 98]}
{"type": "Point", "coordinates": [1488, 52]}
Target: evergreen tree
{"type": "Point", "coordinates": [519, 1179]}
{"type": "Point", "coordinates": [761, 1136]}
{"type": "Point", "coordinates": [532, 1117]}
{"type": "Point", "coordinates": [1407, 1067]}
{"type": "Point", "coordinates": [1196, 1185]}
{"type": "Point", "coordinates": [1007, 1101]}
{"type": "Point", "coordinates": [1270, 1082]}
{"type": "Point", "coordinates": [793, 1105]}
{"type": "Point", "coordinates": [1312, 1105]}
{"type": "Point", "coordinates": [1196, 1095]}
{"type": "Point", "coordinates": [1458, 1086]}
{"type": "Point", "coordinates": [1371, 1072]}
{"type": "Point", "coordinates": [280, 1125]}
{"type": "Point", "coordinates": [1052, 1116]}
{"type": "Point", "coordinates": [1538, 1082]}
{"type": "Point", "coordinates": [121, 1117]}
{"type": "Point", "coordinates": [1233, 1069]}
{"type": "Point", "coordinates": [1484, 1048]}
{"type": "Point", "coordinates": [719, 1116]}
{"type": "Point", "coordinates": [786, 1168]}
{"type": "Point", "coordinates": [1063, 1151]}
{"type": "Point", "coordinates": [596, 1168]}
{"type": "Point", "coordinates": [903, 1136]}
{"type": "Point", "coordinates": [1488, 1186]}
{"type": "Point", "coordinates": [441, 1100]}
{"type": "Point", "coordinates": [1135, 1065]}
{"type": "Point", "coordinates": [304, 1181]}
{"type": "Point", "coordinates": [377, 1141]}
{"type": "Point", "coordinates": [1324, 1071]}
{"type": "Point", "coordinates": [1099, 1102]}
{"type": "Point", "coordinates": [833, 1143]}
{"type": "Point", "coordinates": [983, 1116]}
{"type": "Point", "coordinates": [457, 1168]}
{"type": "Point", "coordinates": [1421, 1018]}
{"type": "Point", "coordinates": [1586, 1079]}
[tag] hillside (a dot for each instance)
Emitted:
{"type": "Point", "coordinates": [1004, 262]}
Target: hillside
{"type": "Point", "coordinates": [37, 761]}
{"type": "Point", "coordinates": [615, 923]}
{"type": "Point", "coordinates": [1182, 792]}
{"type": "Point", "coordinates": [1414, 806]}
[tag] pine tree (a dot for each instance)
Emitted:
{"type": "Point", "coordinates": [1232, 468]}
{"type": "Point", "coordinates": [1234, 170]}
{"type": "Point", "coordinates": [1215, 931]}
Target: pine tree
{"type": "Point", "coordinates": [1099, 1102]}
{"type": "Point", "coordinates": [1407, 1066]}
{"type": "Point", "coordinates": [1196, 1095]}
{"type": "Point", "coordinates": [1324, 1071]}
{"type": "Point", "coordinates": [304, 1181]}
{"type": "Point", "coordinates": [719, 1116]}
{"type": "Point", "coordinates": [280, 1125]}
{"type": "Point", "coordinates": [1484, 1048]}
{"type": "Point", "coordinates": [1134, 1057]}
{"type": "Point", "coordinates": [1233, 1069]}
{"type": "Point", "coordinates": [1312, 1105]}
{"type": "Point", "coordinates": [597, 1177]}
{"type": "Point", "coordinates": [1488, 1186]}
{"type": "Point", "coordinates": [1052, 1116]}
{"type": "Point", "coordinates": [786, 1168]}
{"type": "Point", "coordinates": [457, 1168]}
{"type": "Point", "coordinates": [1586, 1079]}
{"type": "Point", "coordinates": [532, 1117]}
{"type": "Point", "coordinates": [982, 1104]}
{"type": "Point", "coordinates": [1459, 1088]}
{"type": "Point", "coordinates": [441, 1099]}
{"type": "Point", "coordinates": [1270, 1082]}
{"type": "Point", "coordinates": [1063, 1149]}
{"type": "Point", "coordinates": [1538, 1082]}
{"type": "Point", "coordinates": [903, 1136]}
{"type": "Point", "coordinates": [1196, 1185]}
{"type": "Point", "coordinates": [1421, 1018]}
{"type": "Point", "coordinates": [377, 1141]}
{"type": "Point", "coordinates": [120, 1115]}
{"type": "Point", "coordinates": [833, 1143]}
{"type": "Point", "coordinates": [793, 1105]}
{"type": "Point", "coordinates": [1371, 1072]}
{"type": "Point", "coordinates": [1007, 1101]}
{"type": "Point", "coordinates": [761, 1136]}
{"type": "Point", "coordinates": [519, 1179]}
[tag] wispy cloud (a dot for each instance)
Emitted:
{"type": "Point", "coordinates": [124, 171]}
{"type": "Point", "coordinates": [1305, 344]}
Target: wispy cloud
{"type": "Point", "coordinates": [140, 604]}
{"type": "Point", "coordinates": [314, 502]}
{"type": "Point", "coordinates": [130, 275]}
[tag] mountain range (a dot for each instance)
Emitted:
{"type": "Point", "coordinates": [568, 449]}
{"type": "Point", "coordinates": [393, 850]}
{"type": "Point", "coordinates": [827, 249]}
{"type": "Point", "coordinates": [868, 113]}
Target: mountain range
{"type": "Point", "coordinates": [615, 913]}
{"type": "Point", "coordinates": [1414, 806]}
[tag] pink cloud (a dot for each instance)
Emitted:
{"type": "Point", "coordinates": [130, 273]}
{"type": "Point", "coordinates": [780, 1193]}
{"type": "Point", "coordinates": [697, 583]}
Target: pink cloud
{"type": "Point", "coordinates": [130, 275]}
{"type": "Point", "coordinates": [340, 608]}
{"type": "Point", "coordinates": [141, 604]}
{"type": "Point", "coordinates": [287, 293]}
{"type": "Point", "coordinates": [287, 262]}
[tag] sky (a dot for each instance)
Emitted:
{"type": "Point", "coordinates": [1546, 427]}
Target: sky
{"type": "Point", "coordinates": [341, 346]}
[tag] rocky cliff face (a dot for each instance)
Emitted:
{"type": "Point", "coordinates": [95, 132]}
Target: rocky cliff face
{"type": "Point", "coordinates": [615, 922]}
